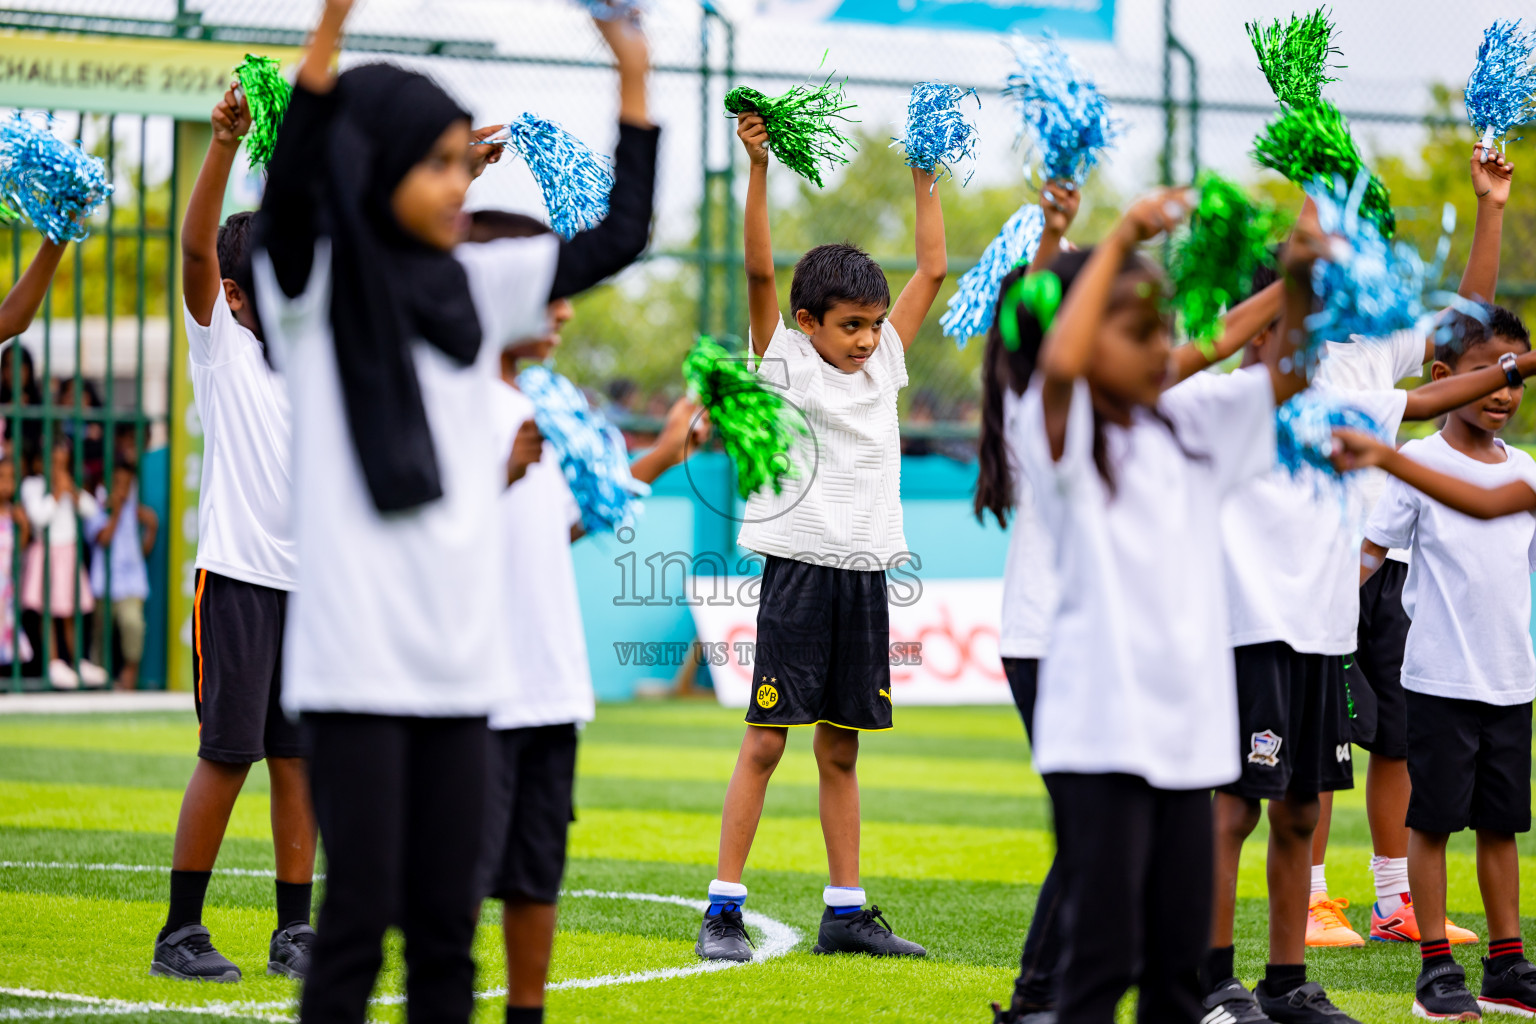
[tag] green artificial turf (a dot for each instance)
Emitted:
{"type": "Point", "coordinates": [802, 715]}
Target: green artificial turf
{"type": "Point", "coordinates": [956, 838]}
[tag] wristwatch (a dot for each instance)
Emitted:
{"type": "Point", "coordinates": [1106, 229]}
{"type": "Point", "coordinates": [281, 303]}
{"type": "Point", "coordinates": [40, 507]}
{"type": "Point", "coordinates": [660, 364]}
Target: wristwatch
{"type": "Point", "coordinates": [1511, 373]}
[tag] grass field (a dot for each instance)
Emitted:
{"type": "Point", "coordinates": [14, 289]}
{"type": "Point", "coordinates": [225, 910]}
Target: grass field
{"type": "Point", "coordinates": [956, 838]}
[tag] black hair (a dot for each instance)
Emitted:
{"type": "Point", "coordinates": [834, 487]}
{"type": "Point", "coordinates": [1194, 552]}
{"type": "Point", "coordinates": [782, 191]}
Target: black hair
{"type": "Point", "coordinates": [126, 464]}
{"type": "Point", "coordinates": [1463, 332]}
{"type": "Point", "coordinates": [835, 273]}
{"type": "Point", "coordinates": [489, 225]}
{"type": "Point", "coordinates": [234, 247]}
{"type": "Point", "coordinates": [1000, 368]}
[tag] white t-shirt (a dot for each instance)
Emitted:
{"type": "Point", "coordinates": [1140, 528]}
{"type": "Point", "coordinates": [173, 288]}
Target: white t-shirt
{"type": "Point", "coordinates": [1293, 551]}
{"type": "Point", "coordinates": [845, 501]}
{"type": "Point", "coordinates": [402, 614]}
{"type": "Point", "coordinates": [1139, 677]}
{"type": "Point", "coordinates": [1373, 364]}
{"type": "Point", "coordinates": [48, 512]}
{"type": "Point", "coordinates": [551, 680]}
{"type": "Point", "coordinates": [1029, 572]}
{"type": "Point", "coordinates": [1468, 589]}
{"type": "Point", "coordinates": [243, 528]}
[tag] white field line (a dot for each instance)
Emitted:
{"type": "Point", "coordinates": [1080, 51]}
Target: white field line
{"type": "Point", "coordinates": [778, 939]}
{"type": "Point", "coordinates": [53, 865]}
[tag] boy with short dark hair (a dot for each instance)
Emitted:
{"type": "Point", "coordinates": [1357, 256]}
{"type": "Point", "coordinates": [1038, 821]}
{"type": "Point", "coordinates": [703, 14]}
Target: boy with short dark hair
{"type": "Point", "coordinates": [1468, 668]}
{"type": "Point", "coordinates": [246, 567]}
{"type": "Point", "coordinates": [823, 631]}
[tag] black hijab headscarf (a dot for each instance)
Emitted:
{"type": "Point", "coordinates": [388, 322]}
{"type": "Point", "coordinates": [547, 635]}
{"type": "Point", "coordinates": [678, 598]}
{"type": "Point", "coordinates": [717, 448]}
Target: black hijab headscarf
{"type": "Point", "coordinates": [387, 287]}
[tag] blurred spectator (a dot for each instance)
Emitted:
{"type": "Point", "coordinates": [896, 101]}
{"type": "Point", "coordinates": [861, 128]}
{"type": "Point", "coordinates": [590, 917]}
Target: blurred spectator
{"type": "Point", "coordinates": [921, 413]}
{"type": "Point", "coordinates": [14, 532]}
{"type": "Point", "coordinates": [124, 534]}
{"type": "Point", "coordinates": [93, 468]}
{"type": "Point", "coordinates": [31, 395]}
{"type": "Point", "coordinates": [55, 520]}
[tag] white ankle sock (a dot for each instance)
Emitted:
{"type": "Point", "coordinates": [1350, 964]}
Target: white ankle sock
{"type": "Point", "coordinates": [1319, 879]}
{"type": "Point", "coordinates": [836, 896]}
{"type": "Point", "coordinates": [1391, 881]}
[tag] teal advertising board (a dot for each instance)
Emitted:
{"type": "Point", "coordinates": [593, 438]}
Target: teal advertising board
{"type": "Point", "coordinates": [1074, 19]}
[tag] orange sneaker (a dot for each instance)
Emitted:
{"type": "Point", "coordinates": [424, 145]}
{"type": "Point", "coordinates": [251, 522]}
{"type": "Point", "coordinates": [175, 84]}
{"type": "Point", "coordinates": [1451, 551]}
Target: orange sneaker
{"type": "Point", "coordinates": [1327, 927]}
{"type": "Point", "coordinates": [1401, 925]}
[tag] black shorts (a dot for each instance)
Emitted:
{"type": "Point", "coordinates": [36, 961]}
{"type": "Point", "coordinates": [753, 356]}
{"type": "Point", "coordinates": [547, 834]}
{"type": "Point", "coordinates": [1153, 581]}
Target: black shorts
{"type": "Point", "coordinates": [1376, 680]}
{"type": "Point", "coordinates": [237, 666]}
{"type": "Point", "coordinates": [1024, 680]}
{"type": "Point", "coordinates": [529, 810]}
{"type": "Point", "coordinates": [1470, 765]}
{"type": "Point", "coordinates": [1293, 721]}
{"type": "Point", "coordinates": [823, 647]}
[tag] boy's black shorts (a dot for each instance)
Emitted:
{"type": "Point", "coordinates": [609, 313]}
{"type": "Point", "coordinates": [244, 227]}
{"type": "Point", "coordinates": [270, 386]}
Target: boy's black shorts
{"type": "Point", "coordinates": [1470, 765]}
{"type": "Point", "coordinates": [823, 647]}
{"type": "Point", "coordinates": [1293, 721]}
{"type": "Point", "coordinates": [1376, 680]}
{"type": "Point", "coordinates": [529, 810]}
{"type": "Point", "coordinates": [237, 668]}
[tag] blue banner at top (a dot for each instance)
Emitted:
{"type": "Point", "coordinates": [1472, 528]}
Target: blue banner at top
{"type": "Point", "coordinates": [1073, 19]}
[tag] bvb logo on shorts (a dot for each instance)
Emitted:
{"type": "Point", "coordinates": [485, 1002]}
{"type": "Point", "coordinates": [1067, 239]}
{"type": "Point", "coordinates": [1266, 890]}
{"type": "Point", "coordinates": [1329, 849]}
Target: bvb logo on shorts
{"type": "Point", "coordinates": [767, 695]}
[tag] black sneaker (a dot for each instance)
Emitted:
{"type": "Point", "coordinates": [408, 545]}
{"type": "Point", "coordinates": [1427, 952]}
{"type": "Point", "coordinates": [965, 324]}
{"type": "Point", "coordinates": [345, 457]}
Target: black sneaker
{"type": "Point", "coordinates": [290, 951]}
{"type": "Point", "coordinates": [722, 936]}
{"type": "Point", "coordinates": [1012, 1016]}
{"type": "Point", "coordinates": [1441, 994]}
{"type": "Point", "coordinates": [188, 954]}
{"type": "Point", "coordinates": [863, 931]}
{"type": "Point", "coordinates": [1231, 1003]}
{"type": "Point", "coordinates": [1307, 1003]}
{"type": "Point", "coordinates": [1514, 991]}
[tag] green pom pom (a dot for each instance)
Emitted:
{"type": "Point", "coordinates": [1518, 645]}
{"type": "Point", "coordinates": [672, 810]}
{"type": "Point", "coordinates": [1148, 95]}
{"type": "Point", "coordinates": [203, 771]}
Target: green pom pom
{"type": "Point", "coordinates": [1312, 141]}
{"type": "Point", "coordinates": [266, 93]}
{"type": "Point", "coordinates": [1294, 56]}
{"type": "Point", "coordinates": [1214, 260]}
{"type": "Point", "coordinates": [748, 418]}
{"type": "Point", "coordinates": [799, 123]}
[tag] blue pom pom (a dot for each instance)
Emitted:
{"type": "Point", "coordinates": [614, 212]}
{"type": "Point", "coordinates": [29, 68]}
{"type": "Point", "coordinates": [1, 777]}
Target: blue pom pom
{"type": "Point", "coordinates": [575, 181]}
{"type": "Point", "coordinates": [1066, 118]}
{"type": "Point", "coordinates": [591, 450]}
{"type": "Point", "coordinates": [1371, 287]}
{"type": "Point", "coordinates": [614, 10]}
{"type": "Point", "coordinates": [53, 184]}
{"type": "Point", "coordinates": [937, 134]}
{"type": "Point", "coordinates": [1304, 429]}
{"type": "Point", "coordinates": [1503, 83]}
{"type": "Point", "coordinates": [972, 306]}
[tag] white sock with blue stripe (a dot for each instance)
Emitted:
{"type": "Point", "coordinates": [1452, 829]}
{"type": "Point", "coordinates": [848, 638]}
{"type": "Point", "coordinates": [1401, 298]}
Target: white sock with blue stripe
{"type": "Point", "coordinates": [725, 896]}
{"type": "Point", "coordinates": [843, 899]}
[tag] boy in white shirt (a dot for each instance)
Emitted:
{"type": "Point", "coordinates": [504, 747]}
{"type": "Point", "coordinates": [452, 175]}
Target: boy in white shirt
{"type": "Point", "coordinates": [823, 632]}
{"type": "Point", "coordinates": [1468, 668]}
{"type": "Point", "coordinates": [246, 568]}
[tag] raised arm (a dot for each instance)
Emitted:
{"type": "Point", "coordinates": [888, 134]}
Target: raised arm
{"type": "Point", "coordinates": [287, 225]}
{"type": "Point", "coordinates": [762, 288]}
{"type": "Point", "coordinates": [1059, 200]}
{"type": "Point", "coordinates": [1241, 325]}
{"type": "Point", "coordinates": [922, 288]}
{"type": "Point", "coordinates": [201, 278]}
{"type": "Point", "coordinates": [1355, 450]}
{"type": "Point", "coordinates": [622, 236]}
{"type": "Point", "coordinates": [684, 426]}
{"type": "Point", "coordinates": [1069, 345]}
{"type": "Point", "coordinates": [1438, 397]}
{"type": "Point", "coordinates": [1491, 182]}
{"type": "Point", "coordinates": [24, 300]}
{"type": "Point", "coordinates": [1302, 249]}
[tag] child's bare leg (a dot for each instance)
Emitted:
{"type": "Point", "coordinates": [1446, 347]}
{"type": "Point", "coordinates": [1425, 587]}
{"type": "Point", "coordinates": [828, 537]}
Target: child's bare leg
{"type": "Point", "coordinates": [293, 819]}
{"type": "Point", "coordinates": [1320, 834]}
{"type": "Point", "coordinates": [1235, 818]}
{"type": "Point", "coordinates": [1386, 805]}
{"type": "Point", "coordinates": [1292, 823]}
{"type": "Point", "coordinates": [761, 749]}
{"type": "Point", "coordinates": [1426, 879]}
{"type": "Point", "coordinates": [1498, 878]}
{"type": "Point", "coordinates": [837, 755]}
{"type": "Point", "coordinates": [530, 934]}
{"type": "Point", "coordinates": [205, 809]}
{"type": "Point", "coordinates": [67, 624]}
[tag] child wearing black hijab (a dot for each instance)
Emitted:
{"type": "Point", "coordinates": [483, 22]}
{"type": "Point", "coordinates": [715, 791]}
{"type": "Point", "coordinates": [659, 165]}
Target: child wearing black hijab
{"type": "Point", "coordinates": [389, 334]}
